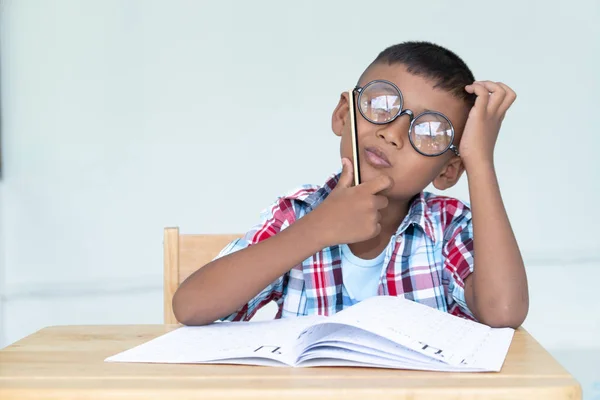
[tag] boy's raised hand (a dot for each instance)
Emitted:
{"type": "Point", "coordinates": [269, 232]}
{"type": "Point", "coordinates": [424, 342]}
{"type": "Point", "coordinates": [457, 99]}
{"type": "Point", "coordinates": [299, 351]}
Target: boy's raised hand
{"type": "Point", "coordinates": [351, 214]}
{"type": "Point", "coordinates": [483, 124]}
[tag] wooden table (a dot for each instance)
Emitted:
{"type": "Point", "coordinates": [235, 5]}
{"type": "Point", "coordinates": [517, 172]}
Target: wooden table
{"type": "Point", "coordinates": [67, 362]}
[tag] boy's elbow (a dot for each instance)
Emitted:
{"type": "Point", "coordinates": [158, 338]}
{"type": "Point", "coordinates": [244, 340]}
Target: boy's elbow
{"type": "Point", "coordinates": [181, 312]}
{"type": "Point", "coordinates": [501, 321]}
{"type": "Point", "coordinates": [186, 311]}
{"type": "Point", "coordinates": [503, 315]}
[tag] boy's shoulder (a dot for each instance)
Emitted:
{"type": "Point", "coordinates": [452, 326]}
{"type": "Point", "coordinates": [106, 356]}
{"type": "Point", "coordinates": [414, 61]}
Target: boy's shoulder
{"type": "Point", "coordinates": [449, 214]}
{"type": "Point", "coordinates": [441, 203]}
{"type": "Point", "coordinates": [312, 194]}
{"type": "Point", "coordinates": [302, 192]}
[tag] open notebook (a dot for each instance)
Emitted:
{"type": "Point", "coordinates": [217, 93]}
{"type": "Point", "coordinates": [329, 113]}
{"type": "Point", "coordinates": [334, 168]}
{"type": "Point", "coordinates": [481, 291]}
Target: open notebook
{"type": "Point", "coordinates": [382, 331]}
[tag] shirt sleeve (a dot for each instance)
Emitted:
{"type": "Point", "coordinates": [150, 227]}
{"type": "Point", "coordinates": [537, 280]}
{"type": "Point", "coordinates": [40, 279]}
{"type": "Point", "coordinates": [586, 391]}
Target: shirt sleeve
{"type": "Point", "coordinates": [458, 261]}
{"type": "Point", "coordinates": [273, 219]}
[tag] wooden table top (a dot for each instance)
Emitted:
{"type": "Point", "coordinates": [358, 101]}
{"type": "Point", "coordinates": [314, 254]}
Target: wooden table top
{"type": "Point", "coordinates": [66, 362]}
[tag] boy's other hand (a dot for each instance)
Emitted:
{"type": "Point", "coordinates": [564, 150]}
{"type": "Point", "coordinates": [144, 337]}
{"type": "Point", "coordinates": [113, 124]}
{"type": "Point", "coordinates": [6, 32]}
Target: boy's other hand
{"type": "Point", "coordinates": [483, 124]}
{"type": "Point", "coordinates": [351, 214]}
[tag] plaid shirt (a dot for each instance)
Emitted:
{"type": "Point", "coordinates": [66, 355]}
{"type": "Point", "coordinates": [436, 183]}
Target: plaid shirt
{"type": "Point", "coordinates": [426, 260]}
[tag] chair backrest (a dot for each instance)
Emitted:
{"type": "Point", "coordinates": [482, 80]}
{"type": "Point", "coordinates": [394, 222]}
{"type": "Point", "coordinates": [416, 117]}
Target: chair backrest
{"type": "Point", "coordinates": [184, 254]}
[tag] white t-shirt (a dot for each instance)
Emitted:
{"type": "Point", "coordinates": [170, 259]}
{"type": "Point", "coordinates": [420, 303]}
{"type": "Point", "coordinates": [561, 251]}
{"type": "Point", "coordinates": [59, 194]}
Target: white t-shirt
{"type": "Point", "coordinates": [360, 277]}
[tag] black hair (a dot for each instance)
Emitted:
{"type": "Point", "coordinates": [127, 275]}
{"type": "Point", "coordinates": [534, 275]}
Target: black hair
{"type": "Point", "coordinates": [432, 61]}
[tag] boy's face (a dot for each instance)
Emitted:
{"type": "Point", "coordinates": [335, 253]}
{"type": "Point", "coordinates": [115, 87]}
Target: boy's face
{"type": "Point", "coordinates": [410, 170]}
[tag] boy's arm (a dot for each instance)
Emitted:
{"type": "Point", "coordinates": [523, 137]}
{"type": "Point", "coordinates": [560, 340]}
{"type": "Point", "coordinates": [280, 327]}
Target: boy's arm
{"type": "Point", "coordinates": [496, 292]}
{"type": "Point", "coordinates": [224, 285]}
{"type": "Point", "coordinates": [349, 214]}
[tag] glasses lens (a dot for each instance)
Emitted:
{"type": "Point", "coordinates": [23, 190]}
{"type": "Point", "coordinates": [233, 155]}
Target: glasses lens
{"type": "Point", "coordinates": [380, 102]}
{"type": "Point", "coordinates": [431, 134]}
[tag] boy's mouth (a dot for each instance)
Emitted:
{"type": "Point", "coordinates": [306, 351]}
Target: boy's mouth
{"type": "Point", "coordinates": [376, 157]}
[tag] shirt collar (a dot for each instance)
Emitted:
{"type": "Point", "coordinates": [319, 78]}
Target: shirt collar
{"type": "Point", "coordinates": [418, 212]}
{"type": "Point", "coordinates": [420, 215]}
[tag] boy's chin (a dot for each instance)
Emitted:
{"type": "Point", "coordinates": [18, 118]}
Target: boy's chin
{"type": "Point", "coordinates": [369, 174]}
{"type": "Point", "coordinates": [401, 190]}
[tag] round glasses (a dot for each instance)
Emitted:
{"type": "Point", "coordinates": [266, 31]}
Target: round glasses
{"type": "Point", "coordinates": [430, 133]}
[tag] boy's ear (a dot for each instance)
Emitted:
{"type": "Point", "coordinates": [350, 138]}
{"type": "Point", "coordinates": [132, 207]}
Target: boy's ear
{"type": "Point", "coordinates": [450, 174]}
{"type": "Point", "coordinates": [340, 115]}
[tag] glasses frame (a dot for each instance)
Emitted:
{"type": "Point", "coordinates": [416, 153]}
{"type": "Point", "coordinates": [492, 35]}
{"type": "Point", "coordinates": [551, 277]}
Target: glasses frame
{"type": "Point", "coordinates": [360, 90]}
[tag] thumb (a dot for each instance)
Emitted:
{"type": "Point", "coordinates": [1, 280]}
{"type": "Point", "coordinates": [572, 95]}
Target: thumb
{"type": "Point", "coordinates": [347, 175]}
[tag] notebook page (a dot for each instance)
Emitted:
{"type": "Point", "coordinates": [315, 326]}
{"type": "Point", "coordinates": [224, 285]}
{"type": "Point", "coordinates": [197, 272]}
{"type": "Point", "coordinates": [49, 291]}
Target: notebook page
{"type": "Point", "coordinates": [222, 341]}
{"type": "Point", "coordinates": [491, 353]}
{"type": "Point", "coordinates": [330, 356]}
{"type": "Point", "coordinates": [356, 339]}
{"type": "Point", "coordinates": [486, 358]}
{"type": "Point", "coordinates": [419, 327]}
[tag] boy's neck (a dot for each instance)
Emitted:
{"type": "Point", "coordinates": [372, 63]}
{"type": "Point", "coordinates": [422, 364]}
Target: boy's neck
{"type": "Point", "coordinates": [393, 215]}
{"type": "Point", "coordinates": [391, 218]}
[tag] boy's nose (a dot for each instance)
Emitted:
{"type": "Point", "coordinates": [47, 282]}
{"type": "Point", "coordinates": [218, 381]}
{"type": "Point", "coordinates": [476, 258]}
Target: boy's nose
{"type": "Point", "coordinates": [396, 132]}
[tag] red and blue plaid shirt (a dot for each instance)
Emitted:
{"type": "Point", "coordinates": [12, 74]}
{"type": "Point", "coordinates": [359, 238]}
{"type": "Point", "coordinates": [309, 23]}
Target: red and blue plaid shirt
{"type": "Point", "coordinates": [426, 260]}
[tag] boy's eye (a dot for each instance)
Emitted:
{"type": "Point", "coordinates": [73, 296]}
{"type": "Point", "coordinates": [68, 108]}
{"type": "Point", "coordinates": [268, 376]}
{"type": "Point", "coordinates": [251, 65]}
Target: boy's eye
{"type": "Point", "coordinates": [385, 102]}
{"type": "Point", "coordinates": [381, 108]}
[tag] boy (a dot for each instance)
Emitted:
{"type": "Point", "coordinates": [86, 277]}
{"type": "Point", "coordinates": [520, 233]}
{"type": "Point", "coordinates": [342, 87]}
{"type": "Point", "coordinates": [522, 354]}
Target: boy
{"type": "Point", "coordinates": [421, 119]}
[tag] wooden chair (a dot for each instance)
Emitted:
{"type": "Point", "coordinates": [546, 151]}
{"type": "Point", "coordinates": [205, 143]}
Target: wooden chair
{"type": "Point", "coordinates": [184, 254]}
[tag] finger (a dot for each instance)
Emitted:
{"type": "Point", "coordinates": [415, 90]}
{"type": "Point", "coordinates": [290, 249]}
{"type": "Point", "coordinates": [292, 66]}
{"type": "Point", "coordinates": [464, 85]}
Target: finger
{"type": "Point", "coordinates": [510, 98]}
{"type": "Point", "coordinates": [378, 184]}
{"type": "Point", "coordinates": [381, 202]}
{"type": "Point", "coordinates": [347, 175]}
{"type": "Point", "coordinates": [497, 95]}
{"type": "Point", "coordinates": [482, 94]}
